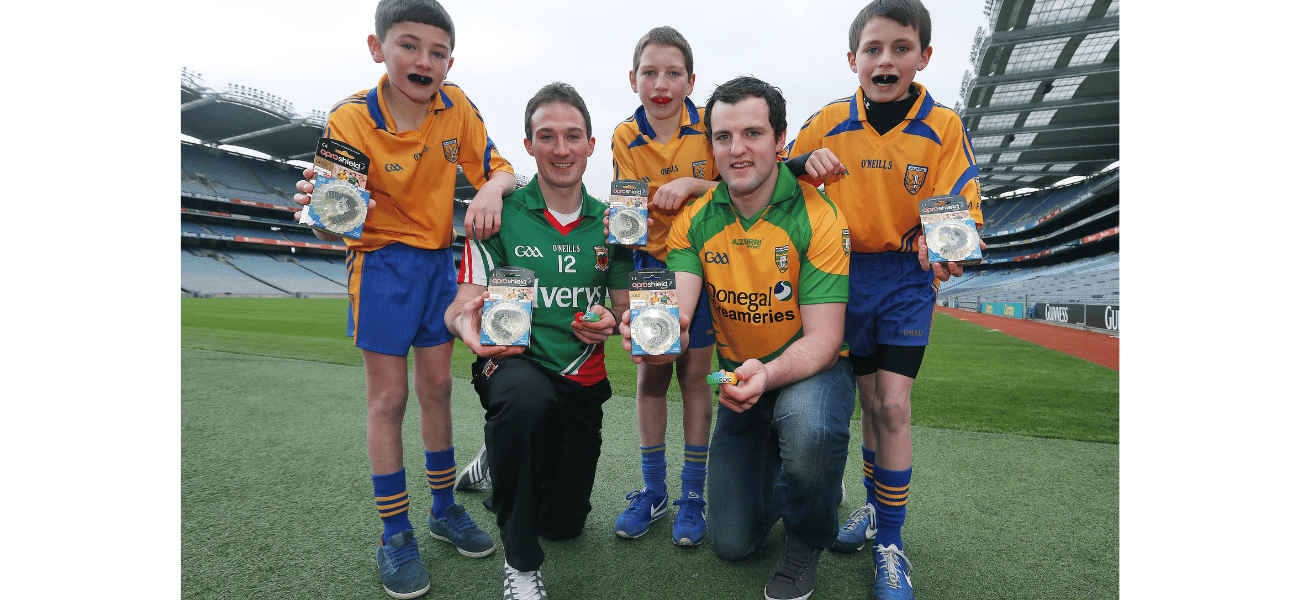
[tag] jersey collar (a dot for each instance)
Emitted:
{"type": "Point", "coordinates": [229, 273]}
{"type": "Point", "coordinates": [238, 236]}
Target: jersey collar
{"type": "Point", "coordinates": [787, 187]}
{"type": "Point", "coordinates": [377, 104]}
{"type": "Point", "coordinates": [688, 124]}
{"type": "Point", "coordinates": [920, 110]}
{"type": "Point", "coordinates": [533, 200]}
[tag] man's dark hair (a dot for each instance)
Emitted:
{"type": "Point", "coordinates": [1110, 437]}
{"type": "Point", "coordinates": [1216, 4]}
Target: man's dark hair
{"type": "Point", "coordinates": [555, 92]}
{"type": "Point", "coordinates": [908, 13]}
{"type": "Point", "coordinates": [664, 36]}
{"type": "Point", "coordinates": [428, 12]}
{"type": "Point", "coordinates": [744, 87]}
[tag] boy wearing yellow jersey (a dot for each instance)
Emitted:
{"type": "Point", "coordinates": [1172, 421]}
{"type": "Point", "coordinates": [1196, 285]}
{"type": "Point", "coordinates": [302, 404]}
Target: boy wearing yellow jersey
{"type": "Point", "coordinates": [416, 128]}
{"type": "Point", "coordinates": [664, 144]}
{"type": "Point", "coordinates": [898, 146]}
{"type": "Point", "coordinates": [771, 254]}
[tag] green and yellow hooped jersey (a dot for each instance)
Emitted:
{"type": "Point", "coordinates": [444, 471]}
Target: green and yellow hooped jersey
{"type": "Point", "coordinates": [758, 271]}
{"type": "Point", "coordinates": [575, 268]}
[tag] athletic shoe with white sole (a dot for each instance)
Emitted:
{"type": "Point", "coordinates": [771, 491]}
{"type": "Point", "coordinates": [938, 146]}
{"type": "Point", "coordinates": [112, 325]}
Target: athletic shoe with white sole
{"type": "Point", "coordinates": [691, 525]}
{"type": "Point", "coordinates": [401, 570]}
{"type": "Point", "coordinates": [459, 529]}
{"type": "Point", "coordinates": [644, 509]}
{"type": "Point", "coordinates": [860, 527]}
{"type": "Point", "coordinates": [892, 579]}
{"type": "Point", "coordinates": [475, 475]}
{"type": "Point", "coordinates": [523, 585]}
{"type": "Point", "coordinates": [795, 574]}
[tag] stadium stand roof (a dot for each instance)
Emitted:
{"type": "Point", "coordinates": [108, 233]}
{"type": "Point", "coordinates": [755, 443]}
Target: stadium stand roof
{"type": "Point", "coordinates": [1043, 103]}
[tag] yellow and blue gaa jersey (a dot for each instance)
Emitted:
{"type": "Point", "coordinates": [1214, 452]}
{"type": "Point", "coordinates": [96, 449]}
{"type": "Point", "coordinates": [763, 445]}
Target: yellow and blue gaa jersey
{"type": "Point", "coordinates": [928, 154]}
{"type": "Point", "coordinates": [412, 176]}
{"type": "Point", "coordinates": [758, 271]}
{"type": "Point", "coordinates": [637, 156]}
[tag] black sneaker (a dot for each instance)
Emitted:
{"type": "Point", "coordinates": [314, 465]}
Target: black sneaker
{"type": "Point", "coordinates": [795, 573]}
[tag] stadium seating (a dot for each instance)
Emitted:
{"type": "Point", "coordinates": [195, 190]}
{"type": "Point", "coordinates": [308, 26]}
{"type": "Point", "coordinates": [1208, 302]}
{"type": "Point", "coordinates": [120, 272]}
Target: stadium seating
{"type": "Point", "coordinates": [283, 274]}
{"type": "Point", "coordinates": [209, 276]}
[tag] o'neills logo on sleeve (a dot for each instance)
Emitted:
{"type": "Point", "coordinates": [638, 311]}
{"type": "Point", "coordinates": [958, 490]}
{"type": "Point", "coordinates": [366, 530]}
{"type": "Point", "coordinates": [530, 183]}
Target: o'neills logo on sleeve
{"type": "Point", "coordinates": [752, 307]}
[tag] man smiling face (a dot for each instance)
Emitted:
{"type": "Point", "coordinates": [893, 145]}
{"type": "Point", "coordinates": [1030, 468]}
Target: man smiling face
{"type": "Point", "coordinates": [561, 145]}
{"type": "Point", "coordinates": [745, 148]}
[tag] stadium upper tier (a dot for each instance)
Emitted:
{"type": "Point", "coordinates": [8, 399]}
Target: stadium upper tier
{"type": "Point", "coordinates": [1042, 104]}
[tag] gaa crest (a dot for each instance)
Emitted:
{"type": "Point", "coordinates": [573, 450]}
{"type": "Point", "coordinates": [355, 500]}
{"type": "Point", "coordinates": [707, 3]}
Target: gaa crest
{"type": "Point", "coordinates": [914, 178]}
{"type": "Point", "coordinates": [698, 169]}
{"type": "Point", "coordinates": [451, 150]}
{"type": "Point", "coordinates": [783, 258]}
{"type": "Point", "coordinates": [602, 258]}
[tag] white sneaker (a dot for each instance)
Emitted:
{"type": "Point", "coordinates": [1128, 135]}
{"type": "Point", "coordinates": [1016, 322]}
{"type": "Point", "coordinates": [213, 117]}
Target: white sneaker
{"type": "Point", "coordinates": [475, 476]}
{"type": "Point", "coordinates": [523, 585]}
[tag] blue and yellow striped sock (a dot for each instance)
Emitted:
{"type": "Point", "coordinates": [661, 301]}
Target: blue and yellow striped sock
{"type": "Point", "coordinates": [694, 469]}
{"type": "Point", "coordinates": [654, 468]}
{"type": "Point", "coordinates": [440, 470]}
{"type": "Point", "coordinates": [868, 474]}
{"type": "Point", "coordinates": [392, 502]}
{"type": "Point", "coordinates": [891, 505]}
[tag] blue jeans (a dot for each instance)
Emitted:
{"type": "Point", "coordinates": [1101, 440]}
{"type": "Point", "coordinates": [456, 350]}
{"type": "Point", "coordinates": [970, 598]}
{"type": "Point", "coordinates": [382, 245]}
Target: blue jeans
{"type": "Point", "coordinates": [781, 459]}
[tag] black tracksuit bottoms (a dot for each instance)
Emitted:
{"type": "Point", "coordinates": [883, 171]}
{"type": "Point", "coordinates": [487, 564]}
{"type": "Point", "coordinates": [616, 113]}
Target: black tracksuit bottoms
{"type": "Point", "coordinates": [543, 441]}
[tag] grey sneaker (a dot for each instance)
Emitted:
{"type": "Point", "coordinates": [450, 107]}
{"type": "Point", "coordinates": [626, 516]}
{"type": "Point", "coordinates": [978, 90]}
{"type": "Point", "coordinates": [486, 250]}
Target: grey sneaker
{"type": "Point", "coordinates": [523, 585]}
{"type": "Point", "coordinates": [795, 574]}
{"type": "Point", "coordinates": [456, 527]}
{"type": "Point", "coordinates": [475, 476]}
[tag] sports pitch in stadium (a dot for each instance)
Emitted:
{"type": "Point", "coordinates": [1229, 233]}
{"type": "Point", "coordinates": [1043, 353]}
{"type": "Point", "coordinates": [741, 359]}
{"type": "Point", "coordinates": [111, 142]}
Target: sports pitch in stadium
{"type": "Point", "coordinates": [1015, 492]}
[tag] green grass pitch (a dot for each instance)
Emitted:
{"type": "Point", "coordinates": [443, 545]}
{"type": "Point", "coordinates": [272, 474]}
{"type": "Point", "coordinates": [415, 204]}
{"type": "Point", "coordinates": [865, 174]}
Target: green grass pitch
{"type": "Point", "coordinates": [1015, 487]}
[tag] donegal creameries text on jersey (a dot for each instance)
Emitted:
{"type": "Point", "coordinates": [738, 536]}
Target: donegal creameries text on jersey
{"type": "Point", "coordinates": [758, 271]}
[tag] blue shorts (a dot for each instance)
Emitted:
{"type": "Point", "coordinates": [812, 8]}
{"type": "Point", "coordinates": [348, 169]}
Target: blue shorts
{"type": "Point", "coordinates": [397, 296]}
{"type": "Point", "coordinates": [891, 301]}
{"type": "Point", "coordinates": [701, 335]}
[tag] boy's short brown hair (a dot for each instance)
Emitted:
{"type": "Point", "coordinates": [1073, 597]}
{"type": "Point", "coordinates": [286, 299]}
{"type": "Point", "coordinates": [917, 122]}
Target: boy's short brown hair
{"type": "Point", "coordinates": [908, 13]}
{"type": "Point", "coordinates": [664, 36]}
{"type": "Point", "coordinates": [428, 12]}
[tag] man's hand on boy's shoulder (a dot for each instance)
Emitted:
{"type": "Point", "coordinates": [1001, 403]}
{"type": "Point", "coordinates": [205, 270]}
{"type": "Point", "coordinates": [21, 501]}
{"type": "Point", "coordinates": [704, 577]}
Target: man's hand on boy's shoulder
{"type": "Point", "coordinates": [943, 271]}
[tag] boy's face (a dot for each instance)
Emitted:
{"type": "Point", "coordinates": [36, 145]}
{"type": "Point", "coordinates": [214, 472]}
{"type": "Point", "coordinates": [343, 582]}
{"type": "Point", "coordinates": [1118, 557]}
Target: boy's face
{"type": "Point", "coordinates": [661, 81]}
{"type": "Point", "coordinates": [887, 59]}
{"type": "Point", "coordinates": [417, 57]}
{"type": "Point", "coordinates": [560, 144]}
{"type": "Point", "coordinates": [744, 146]}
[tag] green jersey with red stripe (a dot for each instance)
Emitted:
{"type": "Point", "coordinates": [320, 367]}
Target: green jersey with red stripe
{"type": "Point", "coordinates": [575, 269]}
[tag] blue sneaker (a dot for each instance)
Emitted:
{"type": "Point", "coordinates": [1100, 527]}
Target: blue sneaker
{"type": "Point", "coordinates": [892, 579]}
{"type": "Point", "coordinates": [645, 508]}
{"type": "Point", "coordinates": [690, 526]}
{"type": "Point", "coordinates": [401, 569]}
{"type": "Point", "coordinates": [860, 527]}
{"type": "Point", "coordinates": [456, 527]}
